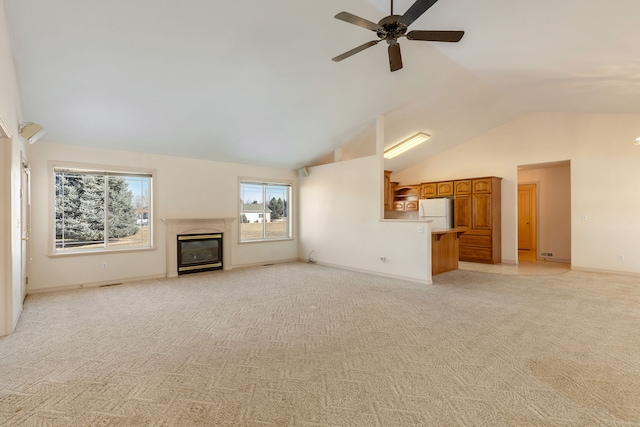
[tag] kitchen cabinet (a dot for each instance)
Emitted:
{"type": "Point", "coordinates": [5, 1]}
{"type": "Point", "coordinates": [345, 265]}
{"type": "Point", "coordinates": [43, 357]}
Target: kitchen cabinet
{"type": "Point", "coordinates": [405, 197]}
{"type": "Point", "coordinates": [429, 189]}
{"type": "Point", "coordinates": [388, 191]}
{"type": "Point", "coordinates": [436, 189]}
{"type": "Point", "coordinates": [445, 189]}
{"type": "Point", "coordinates": [462, 187]}
{"type": "Point", "coordinates": [462, 208]}
{"type": "Point", "coordinates": [477, 210]}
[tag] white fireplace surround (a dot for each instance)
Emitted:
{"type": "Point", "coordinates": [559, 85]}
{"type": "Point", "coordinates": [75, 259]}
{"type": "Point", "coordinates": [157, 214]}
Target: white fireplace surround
{"type": "Point", "coordinates": [176, 226]}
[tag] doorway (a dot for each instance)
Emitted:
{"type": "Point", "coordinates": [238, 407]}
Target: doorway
{"type": "Point", "coordinates": [544, 212]}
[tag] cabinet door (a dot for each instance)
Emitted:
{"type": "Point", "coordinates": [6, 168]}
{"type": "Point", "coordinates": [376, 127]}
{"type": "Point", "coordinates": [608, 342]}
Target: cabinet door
{"type": "Point", "coordinates": [411, 205]}
{"type": "Point", "coordinates": [388, 191]}
{"type": "Point", "coordinates": [462, 211]}
{"type": "Point", "coordinates": [482, 211]}
{"type": "Point", "coordinates": [462, 187]}
{"type": "Point", "coordinates": [398, 206]}
{"type": "Point", "coordinates": [428, 190]}
{"type": "Point", "coordinates": [445, 189]}
{"type": "Point", "coordinates": [482, 185]}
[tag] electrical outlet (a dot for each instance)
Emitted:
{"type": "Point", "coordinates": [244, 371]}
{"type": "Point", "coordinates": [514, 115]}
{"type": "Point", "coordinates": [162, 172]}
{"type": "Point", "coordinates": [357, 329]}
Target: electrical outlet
{"type": "Point", "coordinates": [420, 229]}
{"type": "Point", "coordinates": [620, 257]}
{"type": "Point", "coordinates": [383, 259]}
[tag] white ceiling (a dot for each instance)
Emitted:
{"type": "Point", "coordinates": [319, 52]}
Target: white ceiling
{"type": "Point", "coordinates": [253, 82]}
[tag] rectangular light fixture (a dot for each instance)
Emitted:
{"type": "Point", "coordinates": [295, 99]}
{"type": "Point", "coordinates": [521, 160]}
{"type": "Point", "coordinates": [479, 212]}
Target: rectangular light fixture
{"type": "Point", "coordinates": [406, 145]}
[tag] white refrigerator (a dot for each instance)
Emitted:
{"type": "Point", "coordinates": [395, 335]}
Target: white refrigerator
{"type": "Point", "coordinates": [439, 210]}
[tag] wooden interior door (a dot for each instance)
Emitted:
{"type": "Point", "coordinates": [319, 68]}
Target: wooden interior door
{"type": "Point", "coordinates": [527, 216]}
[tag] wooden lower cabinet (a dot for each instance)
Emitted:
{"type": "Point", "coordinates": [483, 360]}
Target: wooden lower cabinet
{"type": "Point", "coordinates": [476, 246]}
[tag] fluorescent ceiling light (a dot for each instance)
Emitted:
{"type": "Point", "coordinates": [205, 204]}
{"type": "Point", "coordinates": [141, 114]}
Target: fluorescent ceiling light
{"type": "Point", "coordinates": [406, 145]}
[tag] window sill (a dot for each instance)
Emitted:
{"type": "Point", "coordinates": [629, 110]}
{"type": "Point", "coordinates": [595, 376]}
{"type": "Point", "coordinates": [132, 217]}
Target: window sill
{"type": "Point", "coordinates": [98, 252]}
{"type": "Point", "coordinates": [287, 239]}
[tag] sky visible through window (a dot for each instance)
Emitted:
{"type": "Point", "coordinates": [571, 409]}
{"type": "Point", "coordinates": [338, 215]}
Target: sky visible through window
{"type": "Point", "coordinates": [139, 187]}
{"type": "Point", "coordinates": [253, 192]}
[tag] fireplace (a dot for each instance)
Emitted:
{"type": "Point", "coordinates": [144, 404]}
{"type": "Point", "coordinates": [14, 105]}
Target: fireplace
{"type": "Point", "coordinates": [197, 226]}
{"type": "Point", "coordinates": [199, 252]}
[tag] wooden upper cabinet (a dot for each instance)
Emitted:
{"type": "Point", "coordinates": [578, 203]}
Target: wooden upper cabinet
{"type": "Point", "coordinates": [445, 189]}
{"type": "Point", "coordinates": [436, 189]}
{"type": "Point", "coordinates": [429, 189]}
{"type": "Point", "coordinates": [405, 197]}
{"type": "Point", "coordinates": [481, 185]}
{"type": "Point", "coordinates": [462, 187]}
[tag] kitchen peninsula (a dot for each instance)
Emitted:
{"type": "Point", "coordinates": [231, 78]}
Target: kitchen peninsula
{"type": "Point", "coordinates": [445, 250]}
{"type": "Point", "coordinates": [476, 234]}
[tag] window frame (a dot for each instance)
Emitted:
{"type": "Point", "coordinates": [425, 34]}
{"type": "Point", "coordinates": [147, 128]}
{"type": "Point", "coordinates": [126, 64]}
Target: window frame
{"type": "Point", "coordinates": [264, 183]}
{"type": "Point", "coordinates": [100, 170]}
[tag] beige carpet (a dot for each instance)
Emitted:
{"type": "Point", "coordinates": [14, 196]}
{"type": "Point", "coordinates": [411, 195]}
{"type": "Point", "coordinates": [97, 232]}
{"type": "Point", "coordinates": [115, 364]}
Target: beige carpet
{"type": "Point", "coordinates": [306, 345]}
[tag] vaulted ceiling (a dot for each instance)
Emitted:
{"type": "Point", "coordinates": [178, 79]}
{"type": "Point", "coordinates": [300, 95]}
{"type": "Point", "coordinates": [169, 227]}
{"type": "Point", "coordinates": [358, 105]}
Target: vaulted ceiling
{"type": "Point", "coordinates": [253, 82]}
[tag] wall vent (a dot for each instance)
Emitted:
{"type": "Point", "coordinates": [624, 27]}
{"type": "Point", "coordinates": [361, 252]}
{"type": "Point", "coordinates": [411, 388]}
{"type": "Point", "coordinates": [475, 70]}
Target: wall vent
{"type": "Point", "coordinates": [546, 254]}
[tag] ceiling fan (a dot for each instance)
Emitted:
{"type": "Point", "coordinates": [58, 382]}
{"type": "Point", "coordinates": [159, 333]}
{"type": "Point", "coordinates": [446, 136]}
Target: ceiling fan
{"type": "Point", "coordinates": [392, 27]}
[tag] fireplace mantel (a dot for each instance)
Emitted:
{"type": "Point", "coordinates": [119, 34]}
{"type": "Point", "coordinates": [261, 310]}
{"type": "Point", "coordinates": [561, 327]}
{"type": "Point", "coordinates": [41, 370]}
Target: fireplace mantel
{"type": "Point", "coordinates": [177, 226]}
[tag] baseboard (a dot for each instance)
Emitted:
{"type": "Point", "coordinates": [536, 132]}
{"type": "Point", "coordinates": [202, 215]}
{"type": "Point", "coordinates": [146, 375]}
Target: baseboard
{"type": "Point", "coordinates": [95, 284]}
{"type": "Point", "coordinates": [558, 260]}
{"type": "Point", "coordinates": [374, 273]}
{"type": "Point", "coordinates": [596, 270]}
{"type": "Point", "coordinates": [263, 263]}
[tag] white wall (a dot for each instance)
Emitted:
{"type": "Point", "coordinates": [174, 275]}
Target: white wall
{"type": "Point", "coordinates": [10, 260]}
{"type": "Point", "coordinates": [340, 206]}
{"type": "Point", "coordinates": [604, 179]}
{"type": "Point", "coordinates": [183, 188]}
{"type": "Point", "coordinates": [553, 209]}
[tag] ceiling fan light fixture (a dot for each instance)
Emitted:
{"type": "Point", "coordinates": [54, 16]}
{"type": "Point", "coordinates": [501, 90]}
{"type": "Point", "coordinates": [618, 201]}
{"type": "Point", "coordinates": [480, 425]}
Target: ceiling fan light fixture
{"type": "Point", "coordinates": [636, 141]}
{"type": "Point", "coordinates": [406, 145]}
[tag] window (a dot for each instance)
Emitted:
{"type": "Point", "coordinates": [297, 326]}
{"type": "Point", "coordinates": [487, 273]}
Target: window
{"type": "Point", "coordinates": [264, 211]}
{"type": "Point", "coordinates": [97, 210]}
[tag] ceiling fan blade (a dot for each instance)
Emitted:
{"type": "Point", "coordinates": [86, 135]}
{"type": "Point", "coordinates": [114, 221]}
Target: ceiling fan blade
{"type": "Point", "coordinates": [355, 50]}
{"type": "Point", "coordinates": [416, 10]}
{"type": "Point", "coordinates": [395, 58]}
{"type": "Point", "coordinates": [356, 20]}
{"type": "Point", "coordinates": [436, 36]}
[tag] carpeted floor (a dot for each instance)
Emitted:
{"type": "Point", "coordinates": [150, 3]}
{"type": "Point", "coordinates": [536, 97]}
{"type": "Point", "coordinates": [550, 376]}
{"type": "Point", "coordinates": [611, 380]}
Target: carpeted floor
{"type": "Point", "coordinates": [306, 345]}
